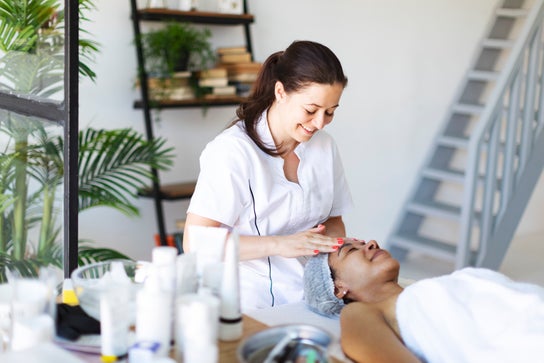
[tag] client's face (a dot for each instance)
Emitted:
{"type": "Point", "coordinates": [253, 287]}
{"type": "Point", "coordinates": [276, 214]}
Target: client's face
{"type": "Point", "coordinates": [361, 268]}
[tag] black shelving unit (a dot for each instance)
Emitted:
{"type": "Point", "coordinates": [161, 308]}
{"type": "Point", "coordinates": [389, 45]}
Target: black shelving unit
{"type": "Point", "coordinates": [178, 191]}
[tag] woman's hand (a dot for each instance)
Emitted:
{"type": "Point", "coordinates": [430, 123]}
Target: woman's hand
{"type": "Point", "coordinates": [308, 242]}
{"type": "Point", "coordinates": [325, 237]}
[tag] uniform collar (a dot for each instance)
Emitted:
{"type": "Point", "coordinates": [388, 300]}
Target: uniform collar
{"type": "Point", "coordinates": [263, 130]}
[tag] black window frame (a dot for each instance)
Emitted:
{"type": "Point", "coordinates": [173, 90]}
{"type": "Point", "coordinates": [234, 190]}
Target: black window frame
{"type": "Point", "coordinates": [64, 114]}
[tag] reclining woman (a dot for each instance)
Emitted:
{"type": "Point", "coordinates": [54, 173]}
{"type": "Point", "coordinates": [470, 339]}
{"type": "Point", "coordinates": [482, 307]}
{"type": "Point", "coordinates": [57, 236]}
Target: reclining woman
{"type": "Point", "coordinates": [471, 315]}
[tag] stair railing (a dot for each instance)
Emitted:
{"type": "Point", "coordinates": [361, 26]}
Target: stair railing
{"type": "Point", "coordinates": [508, 136]}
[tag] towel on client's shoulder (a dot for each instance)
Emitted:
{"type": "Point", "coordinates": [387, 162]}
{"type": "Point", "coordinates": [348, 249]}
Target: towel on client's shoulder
{"type": "Point", "coordinates": [472, 315]}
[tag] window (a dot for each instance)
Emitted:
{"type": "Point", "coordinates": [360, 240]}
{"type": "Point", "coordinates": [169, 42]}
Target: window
{"type": "Point", "coordinates": [38, 135]}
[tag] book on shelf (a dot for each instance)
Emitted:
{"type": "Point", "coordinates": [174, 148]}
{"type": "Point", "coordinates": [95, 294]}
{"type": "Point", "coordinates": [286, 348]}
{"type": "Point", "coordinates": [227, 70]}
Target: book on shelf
{"type": "Point", "coordinates": [213, 82]}
{"type": "Point", "coordinates": [160, 83]}
{"type": "Point", "coordinates": [177, 79]}
{"type": "Point", "coordinates": [243, 88]}
{"type": "Point", "coordinates": [211, 73]}
{"type": "Point", "coordinates": [172, 93]}
{"type": "Point", "coordinates": [243, 77]}
{"type": "Point", "coordinates": [247, 67]}
{"type": "Point", "coordinates": [231, 50]}
{"type": "Point", "coordinates": [182, 93]}
{"type": "Point", "coordinates": [235, 58]}
{"type": "Point", "coordinates": [243, 72]}
{"type": "Point", "coordinates": [224, 91]}
{"type": "Point", "coordinates": [182, 74]}
{"type": "Point", "coordinates": [210, 96]}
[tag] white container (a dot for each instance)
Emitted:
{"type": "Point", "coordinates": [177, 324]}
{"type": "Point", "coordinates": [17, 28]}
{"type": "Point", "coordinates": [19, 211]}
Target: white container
{"type": "Point", "coordinates": [230, 6]}
{"type": "Point", "coordinates": [154, 314]}
{"type": "Point", "coordinates": [196, 328]}
{"type": "Point", "coordinates": [156, 4]}
{"type": "Point", "coordinates": [114, 322]}
{"type": "Point", "coordinates": [230, 322]}
{"type": "Point", "coordinates": [164, 258]}
{"type": "Point", "coordinates": [185, 5]}
{"type": "Point", "coordinates": [208, 244]}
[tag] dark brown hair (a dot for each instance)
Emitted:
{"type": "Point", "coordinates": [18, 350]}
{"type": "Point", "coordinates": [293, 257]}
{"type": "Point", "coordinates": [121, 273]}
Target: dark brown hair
{"type": "Point", "coordinates": [302, 63]}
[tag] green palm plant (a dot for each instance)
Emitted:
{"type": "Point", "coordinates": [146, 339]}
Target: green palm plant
{"type": "Point", "coordinates": [113, 164]}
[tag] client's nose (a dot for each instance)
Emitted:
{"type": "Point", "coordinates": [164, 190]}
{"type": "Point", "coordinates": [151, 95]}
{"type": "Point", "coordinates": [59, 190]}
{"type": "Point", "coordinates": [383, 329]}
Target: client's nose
{"type": "Point", "coordinates": [370, 245]}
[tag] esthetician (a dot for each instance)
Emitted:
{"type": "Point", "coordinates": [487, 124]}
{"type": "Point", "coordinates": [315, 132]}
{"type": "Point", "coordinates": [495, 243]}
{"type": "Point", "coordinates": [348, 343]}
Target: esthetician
{"type": "Point", "coordinates": [276, 176]}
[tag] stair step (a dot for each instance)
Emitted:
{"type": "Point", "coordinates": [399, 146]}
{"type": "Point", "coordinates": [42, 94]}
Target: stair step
{"type": "Point", "coordinates": [425, 245]}
{"type": "Point", "coordinates": [435, 209]}
{"type": "Point", "coordinates": [453, 141]}
{"type": "Point", "coordinates": [449, 175]}
{"type": "Point", "coordinates": [512, 13]}
{"type": "Point", "coordinates": [498, 43]}
{"type": "Point", "coordinates": [464, 108]}
{"type": "Point", "coordinates": [483, 76]}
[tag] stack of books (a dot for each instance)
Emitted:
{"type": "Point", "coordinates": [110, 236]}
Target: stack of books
{"type": "Point", "coordinates": [215, 83]}
{"type": "Point", "coordinates": [229, 55]}
{"type": "Point", "coordinates": [241, 70]}
{"type": "Point", "coordinates": [177, 87]}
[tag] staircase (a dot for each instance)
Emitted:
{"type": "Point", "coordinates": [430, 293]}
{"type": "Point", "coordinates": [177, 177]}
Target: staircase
{"type": "Point", "coordinates": [486, 159]}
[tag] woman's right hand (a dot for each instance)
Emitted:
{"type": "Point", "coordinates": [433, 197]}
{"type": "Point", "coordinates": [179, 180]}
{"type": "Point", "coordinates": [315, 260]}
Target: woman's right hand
{"type": "Point", "coordinates": [307, 243]}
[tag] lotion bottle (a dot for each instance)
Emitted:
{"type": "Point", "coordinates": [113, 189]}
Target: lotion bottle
{"type": "Point", "coordinates": [230, 320]}
{"type": "Point", "coordinates": [154, 313]}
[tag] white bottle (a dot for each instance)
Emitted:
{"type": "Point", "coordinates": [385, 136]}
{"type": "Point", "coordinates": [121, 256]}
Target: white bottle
{"type": "Point", "coordinates": [230, 322]}
{"type": "Point", "coordinates": [154, 313]}
{"type": "Point", "coordinates": [164, 258]}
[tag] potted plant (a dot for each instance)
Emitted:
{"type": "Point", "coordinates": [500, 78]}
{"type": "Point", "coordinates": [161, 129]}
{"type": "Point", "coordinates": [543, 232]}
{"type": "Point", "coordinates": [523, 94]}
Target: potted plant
{"type": "Point", "coordinates": [113, 164]}
{"type": "Point", "coordinates": [177, 47]}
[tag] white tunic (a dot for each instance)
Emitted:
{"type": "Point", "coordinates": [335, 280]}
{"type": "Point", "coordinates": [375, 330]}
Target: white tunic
{"type": "Point", "coordinates": [240, 186]}
{"type": "Point", "coordinates": [473, 315]}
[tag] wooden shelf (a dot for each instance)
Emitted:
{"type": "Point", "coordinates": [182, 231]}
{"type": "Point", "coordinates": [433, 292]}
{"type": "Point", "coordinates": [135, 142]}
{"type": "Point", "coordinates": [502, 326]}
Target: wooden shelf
{"type": "Point", "coordinates": [174, 191]}
{"type": "Point", "coordinates": [179, 191]}
{"type": "Point", "coordinates": [197, 102]}
{"type": "Point", "coordinates": [198, 17]}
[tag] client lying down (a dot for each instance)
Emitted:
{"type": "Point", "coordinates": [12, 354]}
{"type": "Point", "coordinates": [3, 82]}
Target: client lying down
{"type": "Point", "coordinates": [471, 315]}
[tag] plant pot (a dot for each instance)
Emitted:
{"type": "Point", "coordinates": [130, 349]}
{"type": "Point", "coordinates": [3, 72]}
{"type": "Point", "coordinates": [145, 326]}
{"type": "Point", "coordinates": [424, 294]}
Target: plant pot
{"type": "Point", "coordinates": [182, 63]}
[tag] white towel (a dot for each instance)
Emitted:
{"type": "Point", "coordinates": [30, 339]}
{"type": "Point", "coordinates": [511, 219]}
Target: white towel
{"type": "Point", "coordinates": [473, 315]}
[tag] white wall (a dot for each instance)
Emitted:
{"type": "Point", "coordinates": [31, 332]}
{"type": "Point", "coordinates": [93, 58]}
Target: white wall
{"type": "Point", "coordinates": [404, 60]}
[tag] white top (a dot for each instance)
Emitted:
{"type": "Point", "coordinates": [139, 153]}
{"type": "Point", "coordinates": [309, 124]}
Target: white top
{"type": "Point", "coordinates": [243, 187]}
{"type": "Point", "coordinates": [472, 315]}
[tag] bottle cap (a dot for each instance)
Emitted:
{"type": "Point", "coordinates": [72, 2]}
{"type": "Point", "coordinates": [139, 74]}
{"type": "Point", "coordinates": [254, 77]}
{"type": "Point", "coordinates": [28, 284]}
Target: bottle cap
{"type": "Point", "coordinates": [230, 331]}
{"type": "Point", "coordinates": [69, 296]}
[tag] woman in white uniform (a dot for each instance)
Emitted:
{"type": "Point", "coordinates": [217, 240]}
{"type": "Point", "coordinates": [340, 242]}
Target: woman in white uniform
{"type": "Point", "coordinates": [276, 177]}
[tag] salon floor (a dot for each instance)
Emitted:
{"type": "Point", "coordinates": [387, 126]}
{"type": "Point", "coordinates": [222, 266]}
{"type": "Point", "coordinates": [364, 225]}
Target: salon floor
{"type": "Point", "coordinates": [524, 261]}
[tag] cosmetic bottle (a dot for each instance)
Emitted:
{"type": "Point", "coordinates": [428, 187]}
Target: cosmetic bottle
{"type": "Point", "coordinates": [154, 313]}
{"type": "Point", "coordinates": [114, 323]}
{"type": "Point", "coordinates": [230, 321]}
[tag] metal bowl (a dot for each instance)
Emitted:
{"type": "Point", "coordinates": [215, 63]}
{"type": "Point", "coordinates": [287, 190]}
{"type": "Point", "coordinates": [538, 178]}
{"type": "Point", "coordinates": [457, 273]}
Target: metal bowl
{"type": "Point", "coordinates": [285, 343]}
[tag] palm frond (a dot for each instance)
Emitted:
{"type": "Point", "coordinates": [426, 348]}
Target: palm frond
{"type": "Point", "coordinates": [31, 74]}
{"type": "Point", "coordinates": [25, 267]}
{"type": "Point", "coordinates": [21, 21]}
{"type": "Point", "coordinates": [115, 164]}
{"type": "Point", "coordinates": [88, 254]}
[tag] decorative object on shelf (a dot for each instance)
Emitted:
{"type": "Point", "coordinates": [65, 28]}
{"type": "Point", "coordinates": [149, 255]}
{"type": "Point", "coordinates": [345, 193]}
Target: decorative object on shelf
{"type": "Point", "coordinates": [230, 6]}
{"type": "Point", "coordinates": [156, 4]}
{"type": "Point", "coordinates": [177, 47]}
{"type": "Point", "coordinates": [186, 5]}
